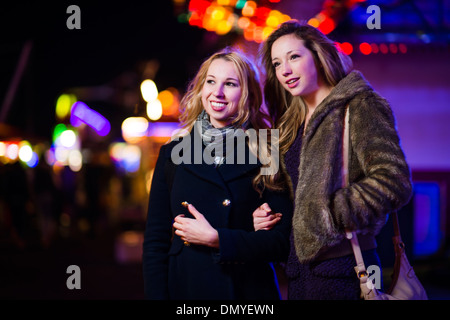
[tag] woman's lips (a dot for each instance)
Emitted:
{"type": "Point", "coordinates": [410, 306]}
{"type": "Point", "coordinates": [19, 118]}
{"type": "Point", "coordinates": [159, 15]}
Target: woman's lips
{"type": "Point", "coordinates": [291, 83]}
{"type": "Point", "coordinates": [218, 106]}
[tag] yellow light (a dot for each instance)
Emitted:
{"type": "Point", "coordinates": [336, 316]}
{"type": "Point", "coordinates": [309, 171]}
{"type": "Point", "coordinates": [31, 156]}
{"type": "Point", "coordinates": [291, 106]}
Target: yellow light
{"type": "Point", "coordinates": [149, 90]}
{"type": "Point", "coordinates": [154, 110]}
{"type": "Point", "coordinates": [223, 2]}
{"type": "Point", "coordinates": [209, 24]}
{"type": "Point", "coordinates": [64, 104]}
{"type": "Point", "coordinates": [266, 32]}
{"type": "Point", "coordinates": [218, 13]}
{"type": "Point", "coordinates": [313, 22]}
{"type": "Point", "coordinates": [223, 27]}
{"type": "Point", "coordinates": [275, 13]}
{"type": "Point", "coordinates": [272, 21]}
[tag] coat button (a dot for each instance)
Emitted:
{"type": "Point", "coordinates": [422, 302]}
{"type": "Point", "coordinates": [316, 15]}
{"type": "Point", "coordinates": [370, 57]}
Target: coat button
{"type": "Point", "coordinates": [226, 202]}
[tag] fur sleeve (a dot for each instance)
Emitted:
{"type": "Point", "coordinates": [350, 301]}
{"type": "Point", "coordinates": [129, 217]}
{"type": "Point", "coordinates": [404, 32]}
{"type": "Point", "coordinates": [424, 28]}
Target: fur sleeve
{"type": "Point", "coordinates": [384, 184]}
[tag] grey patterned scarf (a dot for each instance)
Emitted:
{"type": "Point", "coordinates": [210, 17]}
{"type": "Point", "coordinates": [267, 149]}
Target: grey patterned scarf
{"type": "Point", "coordinates": [215, 140]}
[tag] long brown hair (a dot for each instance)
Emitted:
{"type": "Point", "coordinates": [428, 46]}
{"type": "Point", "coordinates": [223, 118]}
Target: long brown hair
{"type": "Point", "coordinates": [288, 112]}
{"type": "Point", "coordinates": [250, 113]}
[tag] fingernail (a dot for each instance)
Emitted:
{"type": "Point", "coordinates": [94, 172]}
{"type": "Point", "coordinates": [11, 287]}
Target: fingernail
{"type": "Point", "coordinates": [185, 204]}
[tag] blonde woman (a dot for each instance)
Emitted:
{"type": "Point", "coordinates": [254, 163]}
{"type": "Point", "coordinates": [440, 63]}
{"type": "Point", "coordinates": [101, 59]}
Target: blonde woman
{"type": "Point", "coordinates": [309, 86]}
{"type": "Point", "coordinates": [199, 240]}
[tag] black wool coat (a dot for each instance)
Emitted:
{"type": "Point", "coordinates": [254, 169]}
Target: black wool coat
{"type": "Point", "coordinates": [242, 267]}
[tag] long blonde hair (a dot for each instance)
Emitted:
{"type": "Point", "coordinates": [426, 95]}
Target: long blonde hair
{"type": "Point", "coordinates": [250, 113]}
{"type": "Point", "coordinates": [288, 112]}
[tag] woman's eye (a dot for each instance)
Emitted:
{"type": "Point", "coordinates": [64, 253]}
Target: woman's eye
{"type": "Point", "coordinates": [231, 84]}
{"type": "Point", "coordinates": [295, 56]}
{"type": "Point", "coordinates": [210, 81]}
{"type": "Point", "coordinates": [276, 64]}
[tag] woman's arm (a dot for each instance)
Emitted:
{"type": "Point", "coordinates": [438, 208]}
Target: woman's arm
{"type": "Point", "coordinates": [386, 185]}
{"type": "Point", "coordinates": [262, 245]}
{"type": "Point", "coordinates": [237, 245]}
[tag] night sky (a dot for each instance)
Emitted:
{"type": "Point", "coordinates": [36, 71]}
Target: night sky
{"type": "Point", "coordinates": [115, 38]}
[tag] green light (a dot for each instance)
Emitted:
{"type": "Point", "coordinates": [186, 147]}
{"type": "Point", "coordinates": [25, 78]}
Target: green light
{"type": "Point", "coordinates": [59, 128]}
{"type": "Point", "coordinates": [240, 4]}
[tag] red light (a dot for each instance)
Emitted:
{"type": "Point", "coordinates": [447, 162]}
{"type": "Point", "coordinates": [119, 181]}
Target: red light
{"type": "Point", "coordinates": [346, 48]}
{"type": "Point", "coordinates": [365, 48]}
{"type": "Point", "coordinates": [262, 13]}
{"type": "Point", "coordinates": [199, 5]}
{"type": "Point", "coordinates": [375, 48]}
{"type": "Point", "coordinates": [393, 48]}
{"type": "Point", "coordinates": [402, 47]}
{"type": "Point", "coordinates": [384, 48]}
{"type": "Point", "coordinates": [327, 25]}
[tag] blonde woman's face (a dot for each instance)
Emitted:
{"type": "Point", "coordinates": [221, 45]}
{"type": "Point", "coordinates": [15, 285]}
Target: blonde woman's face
{"type": "Point", "coordinates": [294, 66]}
{"type": "Point", "coordinates": [221, 92]}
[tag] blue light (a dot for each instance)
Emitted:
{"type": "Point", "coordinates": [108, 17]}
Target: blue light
{"type": "Point", "coordinates": [33, 161]}
{"type": "Point", "coordinates": [427, 229]}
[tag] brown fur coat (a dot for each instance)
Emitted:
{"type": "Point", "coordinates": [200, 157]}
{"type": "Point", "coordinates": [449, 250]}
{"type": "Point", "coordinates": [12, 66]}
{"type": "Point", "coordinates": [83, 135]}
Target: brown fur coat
{"type": "Point", "coordinates": [380, 179]}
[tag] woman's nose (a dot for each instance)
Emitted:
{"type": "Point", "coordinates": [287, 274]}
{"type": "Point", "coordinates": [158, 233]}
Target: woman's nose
{"type": "Point", "coordinates": [286, 69]}
{"type": "Point", "coordinates": [218, 91]}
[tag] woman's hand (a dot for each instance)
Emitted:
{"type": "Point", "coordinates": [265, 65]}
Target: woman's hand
{"type": "Point", "coordinates": [264, 218]}
{"type": "Point", "coordinates": [197, 230]}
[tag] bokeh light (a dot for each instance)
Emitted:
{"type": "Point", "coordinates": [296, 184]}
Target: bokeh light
{"type": "Point", "coordinates": [63, 105]}
{"type": "Point", "coordinates": [81, 112]}
{"type": "Point", "coordinates": [149, 90]}
{"type": "Point", "coordinates": [25, 151]}
{"type": "Point", "coordinates": [365, 48]}
{"type": "Point", "coordinates": [68, 138]}
{"type": "Point", "coordinates": [134, 129]}
{"type": "Point", "coordinates": [154, 110]}
{"type": "Point", "coordinates": [125, 156]}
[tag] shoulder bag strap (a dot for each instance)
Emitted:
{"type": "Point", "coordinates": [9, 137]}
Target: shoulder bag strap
{"type": "Point", "coordinates": [351, 235]}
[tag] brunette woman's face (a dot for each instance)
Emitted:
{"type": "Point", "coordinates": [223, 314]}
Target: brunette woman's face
{"type": "Point", "coordinates": [221, 92]}
{"type": "Point", "coordinates": [295, 67]}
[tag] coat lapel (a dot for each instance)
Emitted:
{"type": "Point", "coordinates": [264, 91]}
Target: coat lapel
{"type": "Point", "coordinates": [224, 172]}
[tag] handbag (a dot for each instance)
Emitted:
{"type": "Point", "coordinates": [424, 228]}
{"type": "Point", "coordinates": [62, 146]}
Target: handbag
{"type": "Point", "coordinates": [405, 284]}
